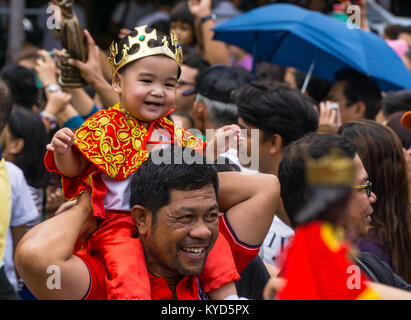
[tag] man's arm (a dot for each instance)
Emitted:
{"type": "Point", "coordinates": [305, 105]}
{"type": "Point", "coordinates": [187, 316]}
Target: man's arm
{"type": "Point", "coordinates": [50, 244]}
{"type": "Point", "coordinates": [250, 203]}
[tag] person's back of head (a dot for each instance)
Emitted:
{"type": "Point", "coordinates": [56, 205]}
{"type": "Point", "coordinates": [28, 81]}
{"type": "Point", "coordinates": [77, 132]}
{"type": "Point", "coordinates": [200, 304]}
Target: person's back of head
{"type": "Point", "coordinates": [317, 88]}
{"type": "Point", "coordinates": [173, 168]}
{"type": "Point", "coordinates": [30, 137]}
{"type": "Point", "coordinates": [359, 87]}
{"type": "Point", "coordinates": [6, 104]}
{"type": "Point", "coordinates": [22, 84]}
{"type": "Point", "coordinates": [270, 72]}
{"type": "Point", "coordinates": [214, 88]}
{"type": "Point", "coordinates": [404, 134]}
{"type": "Point", "coordinates": [394, 101]}
{"type": "Point", "coordinates": [274, 107]}
{"type": "Point", "coordinates": [291, 172]}
{"type": "Point", "coordinates": [392, 31]}
{"type": "Point", "coordinates": [194, 59]}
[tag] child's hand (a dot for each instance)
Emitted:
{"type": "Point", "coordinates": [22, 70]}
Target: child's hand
{"type": "Point", "coordinates": [225, 138]}
{"type": "Point", "coordinates": [62, 141]}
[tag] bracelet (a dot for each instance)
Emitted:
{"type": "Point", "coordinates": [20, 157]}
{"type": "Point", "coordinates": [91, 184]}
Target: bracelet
{"type": "Point", "coordinates": [49, 118]}
{"type": "Point", "coordinates": [209, 17]}
{"type": "Point", "coordinates": [52, 87]}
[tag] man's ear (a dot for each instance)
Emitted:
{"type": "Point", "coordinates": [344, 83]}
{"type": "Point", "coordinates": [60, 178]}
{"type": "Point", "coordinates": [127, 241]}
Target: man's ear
{"type": "Point", "coordinates": [117, 82]}
{"type": "Point", "coordinates": [15, 146]}
{"type": "Point", "coordinates": [199, 110]}
{"type": "Point", "coordinates": [142, 218]}
{"type": "Point", "coordinates": [360, 110]}
{"type": "Point", "coordinates": [275, 143]}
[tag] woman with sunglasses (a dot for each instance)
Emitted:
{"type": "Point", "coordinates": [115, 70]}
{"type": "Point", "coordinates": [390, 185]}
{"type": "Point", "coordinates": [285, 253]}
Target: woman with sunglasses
{"type": "Point", "coordinates": [381, 153]}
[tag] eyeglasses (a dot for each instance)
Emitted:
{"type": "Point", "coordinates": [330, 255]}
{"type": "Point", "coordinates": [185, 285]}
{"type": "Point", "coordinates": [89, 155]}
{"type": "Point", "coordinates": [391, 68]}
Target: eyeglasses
{"type": "Point", "coordinates": [366, 186]}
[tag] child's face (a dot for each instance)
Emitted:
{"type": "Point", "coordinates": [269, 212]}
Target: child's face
{"type": "Point", "coordinates": [147, 87]}
{"type": "Point", "coordinates": [184, 32]}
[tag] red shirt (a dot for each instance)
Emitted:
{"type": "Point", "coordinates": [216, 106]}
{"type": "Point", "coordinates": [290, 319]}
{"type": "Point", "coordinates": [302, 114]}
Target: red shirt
{"type": "Point", "coordinates": [188, 288]}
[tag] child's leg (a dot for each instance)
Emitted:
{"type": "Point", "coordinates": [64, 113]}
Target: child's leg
{"type": "Point", "coordinates": [116, 242]}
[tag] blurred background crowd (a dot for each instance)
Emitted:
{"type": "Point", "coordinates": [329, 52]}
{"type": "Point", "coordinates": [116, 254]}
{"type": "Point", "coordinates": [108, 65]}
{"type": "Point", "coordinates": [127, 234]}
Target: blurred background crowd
{"type": "Point", "coordinates": [29, 52]}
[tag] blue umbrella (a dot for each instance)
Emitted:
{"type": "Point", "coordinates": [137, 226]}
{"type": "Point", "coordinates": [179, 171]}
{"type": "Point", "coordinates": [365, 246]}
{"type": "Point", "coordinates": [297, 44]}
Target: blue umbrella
{"type": "Point", "coordinates": [288, 35]}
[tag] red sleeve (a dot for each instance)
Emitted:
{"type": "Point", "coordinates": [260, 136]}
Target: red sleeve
{"type": "Point", "coordinates": [242, 253]}
{"type": "Point", "coordinates": [97, 271]}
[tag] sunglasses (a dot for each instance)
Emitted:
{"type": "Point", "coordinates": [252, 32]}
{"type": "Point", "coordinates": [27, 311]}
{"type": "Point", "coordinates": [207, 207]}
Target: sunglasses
{"type": "Point", "coordinates": [366, 187]}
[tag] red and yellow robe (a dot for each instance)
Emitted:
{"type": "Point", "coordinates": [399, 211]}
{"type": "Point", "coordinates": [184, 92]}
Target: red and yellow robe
{"type": "Point", "coordinates": [115, 142]}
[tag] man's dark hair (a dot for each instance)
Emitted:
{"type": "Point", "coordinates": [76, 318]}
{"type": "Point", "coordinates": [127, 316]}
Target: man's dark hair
{"type": "Point", "coordinates": [392, 31]}
{"type": "Point", "coordinates": [270, 72]}
{"type": "Point", "coordinates": [360, 87]}
{"type": "Point", "coordinates": [395, 101]}
{"type": "Point", "coordinates": [317, 88]}
{"type": "Point", "coordinates": [194, 59]}
{"type": "Point", "coordinates": [276, 108]}
{"type": "Point", "coordinates": [6, 104]}
{"type": "Point", "coordinates": [22, 84]}
{"type": "Point", "coordinates": [152, 182]}
{"type": "Point", "coordinates": [291, 172]}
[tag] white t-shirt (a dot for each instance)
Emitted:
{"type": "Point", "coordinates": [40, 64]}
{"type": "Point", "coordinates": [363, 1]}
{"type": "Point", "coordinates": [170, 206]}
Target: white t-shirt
{"type": "Point", "coordinates": [118, 191]}
{"type": "Point", "coordinates": [275, 242]}
{"type": "Point", "coordinates": [23, 212]}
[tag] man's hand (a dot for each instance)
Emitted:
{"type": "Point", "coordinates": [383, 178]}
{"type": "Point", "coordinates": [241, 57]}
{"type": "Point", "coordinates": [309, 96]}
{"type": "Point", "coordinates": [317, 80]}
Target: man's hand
{"type": "Point", "coordinates": [329, 118]}
{"type": "Point", "coordinates": [199, 8]}
{"type": "Point", "coordinates": [62, 141]}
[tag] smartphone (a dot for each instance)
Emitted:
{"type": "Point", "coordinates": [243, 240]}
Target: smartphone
{"type": "Point", "coordinates": [334, 105]}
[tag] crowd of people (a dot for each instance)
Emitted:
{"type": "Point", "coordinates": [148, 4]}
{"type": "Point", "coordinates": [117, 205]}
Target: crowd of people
{"type": "Point", "coordinates": [185, 170]}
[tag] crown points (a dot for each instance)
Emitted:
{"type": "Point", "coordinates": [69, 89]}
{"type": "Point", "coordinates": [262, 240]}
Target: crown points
{"type": "Point", "coordinates": [142, 38]}
{"type": "Point", "coordinates": [334, 169]}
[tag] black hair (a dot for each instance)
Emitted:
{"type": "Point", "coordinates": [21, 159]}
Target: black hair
{"type": "Point", "coordinates": [360, 87]}
{"type": "Point", "coordinates": [27, 125]}
{"type": "Point", "coordinates": [6, 104]}
{"type": "Point", "coordinates": [22, 84]}
{"type": "Point", "coordinates": [194, 59]}
{"type": "Point", "coordinates": [317, 88]}
{"type": "Point", "coordinates": [404, 134]}
{"type": "Point", "coordinates": [270, 72]}
{"type": "Point", "coordinates": [392, 31]}
{"type": "Point", "coordinates": [291, 172]}
{"type": "Point", "coordinates": [394, 101]}
{"type": "Point", "coordinates": [182, 13]}
{"type": "Point", "coordinates": [152, 182]}
{"type": "Point", "coordinates": [275, 107]}
{"type": "Point", "coordinates": [223, 164]}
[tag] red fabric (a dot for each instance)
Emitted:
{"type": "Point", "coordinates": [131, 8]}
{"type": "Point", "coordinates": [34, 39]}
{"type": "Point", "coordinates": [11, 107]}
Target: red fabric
{"type": "Point", "coordinates": [116, 243]}
{"type": "Point", "coordinates": [242, 252]}
{"type": "Point", "coordinates": [114, 142]}
{"type": "Point", "coordinates": [315, 272]}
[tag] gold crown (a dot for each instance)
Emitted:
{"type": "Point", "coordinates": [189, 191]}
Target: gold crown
{"type": "Point", "coordinates": [142, 38]}
{"type": "Point", "coordinates": [334, 169]}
